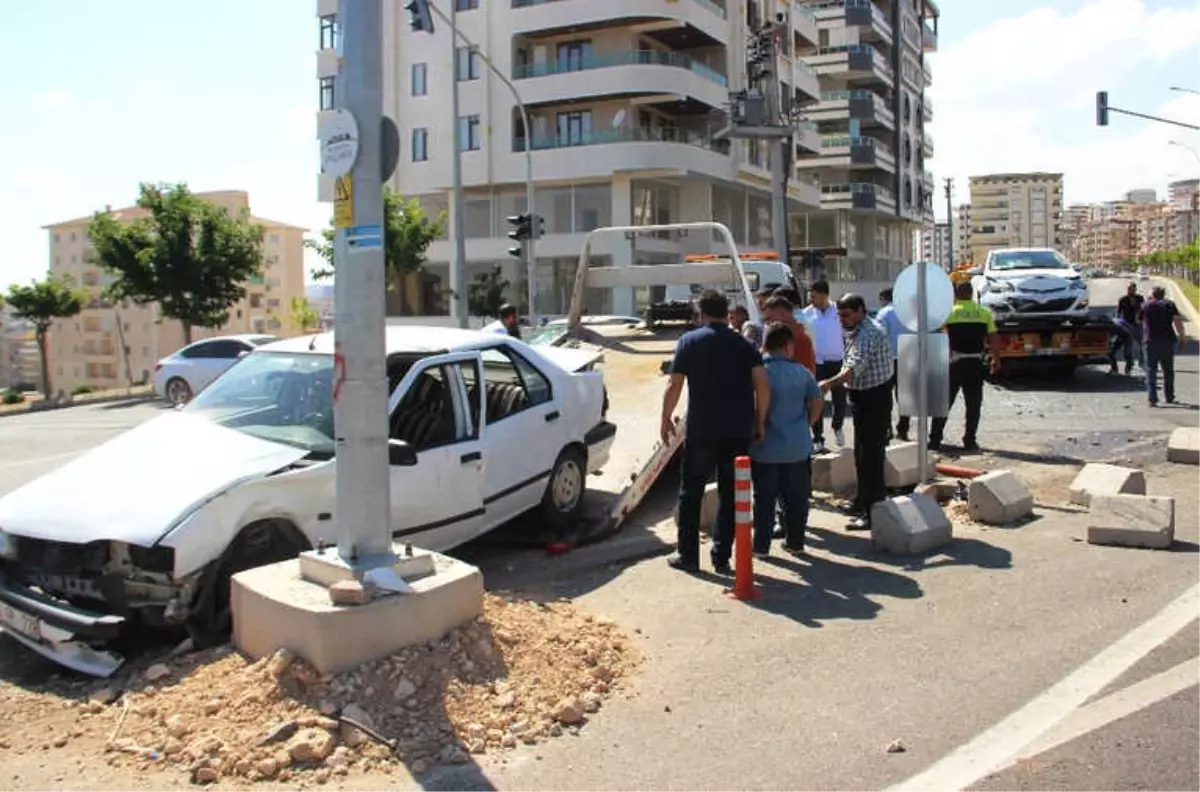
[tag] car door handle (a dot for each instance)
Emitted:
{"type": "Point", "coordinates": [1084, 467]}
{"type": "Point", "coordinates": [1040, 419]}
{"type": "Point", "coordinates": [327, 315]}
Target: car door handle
{"type": "Point", "coordinates": [474, 456]}
{"type": "Point", "coordinates": [552, 416]}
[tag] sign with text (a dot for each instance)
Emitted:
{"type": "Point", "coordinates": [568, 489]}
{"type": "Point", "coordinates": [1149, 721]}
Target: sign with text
{"type": "Point", "coordinates": [343, 202]}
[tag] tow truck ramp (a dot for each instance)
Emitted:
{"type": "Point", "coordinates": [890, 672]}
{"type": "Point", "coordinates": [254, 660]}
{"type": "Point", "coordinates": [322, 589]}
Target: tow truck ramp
{"type": "Point", "coordinates": [634, 359]}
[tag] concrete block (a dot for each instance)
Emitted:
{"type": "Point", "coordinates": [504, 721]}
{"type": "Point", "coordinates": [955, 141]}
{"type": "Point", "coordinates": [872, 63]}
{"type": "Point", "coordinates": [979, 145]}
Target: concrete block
{"type": "Point", "coordinates": [1184, 445]}
{"type": "Point", "coordinates": [1101, 479]}
{"type": "Point", "coordinates": [275, 607]}
{"type": "Point", "coordinates": [834, 472]}
{"type": "Point", "coordinates": [1132, 521]}
{"type": "Point", "coordinates": [901, 468]}
{"type": "Point", "coordinates": [909, 525]}
{"type": "Point", "coordinates": [998, 498]}
{"type": "Point", "coordinates": [708, 508]}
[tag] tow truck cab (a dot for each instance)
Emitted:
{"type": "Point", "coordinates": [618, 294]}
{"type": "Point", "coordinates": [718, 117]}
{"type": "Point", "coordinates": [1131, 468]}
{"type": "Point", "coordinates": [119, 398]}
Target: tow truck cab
{"type": "Point", "coordinates": [761, 269]}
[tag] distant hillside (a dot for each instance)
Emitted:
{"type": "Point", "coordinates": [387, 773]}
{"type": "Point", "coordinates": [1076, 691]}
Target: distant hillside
{"type": "Point", "coordinates": [319, 291]}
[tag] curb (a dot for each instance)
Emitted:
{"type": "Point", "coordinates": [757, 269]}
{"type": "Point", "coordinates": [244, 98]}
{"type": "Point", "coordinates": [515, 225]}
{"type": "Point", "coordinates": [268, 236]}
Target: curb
{"type": "Point", "coordinates": [1182, 302]}
{"type": "Point", "coordinates": [30, 409]}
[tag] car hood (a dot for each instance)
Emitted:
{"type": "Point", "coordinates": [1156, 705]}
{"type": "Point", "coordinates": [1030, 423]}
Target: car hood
{"type": "Point", "coordinates": [1037, 280]}
{"type": "Point", "coordinates": [138, 486]}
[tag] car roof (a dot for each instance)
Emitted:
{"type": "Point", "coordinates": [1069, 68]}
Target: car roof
{"type": "Point", "coordinates": [247, 337]}
{"type": "Point", "coordinates": [421, 339]}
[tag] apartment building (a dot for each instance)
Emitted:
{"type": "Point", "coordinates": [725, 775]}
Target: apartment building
{"type": "Point", "coordinates": [936, 245]}
{"type": "Point", "coordinates": [1109, 243]}
{"type": "Point", "coordinates": [1016, 210]}
{"type": "Point", "coordinates": [1142, 196]}
{"type": "Point", "coordinates": [1184, 195]}
{"type": "Point", "coordinates": [625, 98]}
{"type": "Point", "coordinates": [112, 346]}
{"type": "Point", "coordinates": [962, 234]}
{"type": "Point", "coordinates": [19, 360]}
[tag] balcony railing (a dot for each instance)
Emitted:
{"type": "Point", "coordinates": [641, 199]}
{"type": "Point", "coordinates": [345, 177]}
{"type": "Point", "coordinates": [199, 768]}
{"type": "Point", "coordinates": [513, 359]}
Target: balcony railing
{"type": "Point", "coordinates": [842, 141]}
{"type": "Point", "coordinates": [803, 10]}
{"type": "Point", "coordinates": [622, 135]}
{"type": "Point", "coordinates": [632, 57]}
{"type": "Point", "coordinates": [877, 61]}
{"type": "Point", "coordinates": [860, 188]}
{"type": "Point", "coordinates": [715, 8]}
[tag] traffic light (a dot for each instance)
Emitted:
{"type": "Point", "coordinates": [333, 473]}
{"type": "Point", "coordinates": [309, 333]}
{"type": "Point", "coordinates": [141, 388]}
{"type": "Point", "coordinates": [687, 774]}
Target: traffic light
{"type": "Point", "coordinates": [537, 226]}
{"type": "Point", "coordinates": [521, 233]}
{"type": "Point", "coordinates": [422, 19]}
{"type": "Point", "coordinates": [1101, 108]}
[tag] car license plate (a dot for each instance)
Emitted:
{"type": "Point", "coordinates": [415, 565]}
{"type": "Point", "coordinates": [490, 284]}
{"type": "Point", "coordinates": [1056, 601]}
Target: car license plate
{"type": "Point", "coordinates": [20, 622]}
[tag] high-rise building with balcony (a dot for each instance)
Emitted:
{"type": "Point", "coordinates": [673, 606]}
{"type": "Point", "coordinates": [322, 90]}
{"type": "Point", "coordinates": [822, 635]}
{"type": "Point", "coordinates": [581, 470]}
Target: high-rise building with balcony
{"type": "Point", "coordinates": [876, 190]}
{"type": "Point", "coordinates": [625, 98]}
{"type": "Point", "coordinates": [962, 234]}
{"type": "Point", "coordinates": [1016, 210]}
{"type": "Point", "coordinates": [1184, 194]}
{"type": "Point", "coordinates": [936, 245]}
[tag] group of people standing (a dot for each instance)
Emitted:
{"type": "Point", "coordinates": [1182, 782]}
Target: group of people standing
{"type": "Point", "coordinates": [759, 391]}
{"type": "Point", "coordinates": [1150, 331]}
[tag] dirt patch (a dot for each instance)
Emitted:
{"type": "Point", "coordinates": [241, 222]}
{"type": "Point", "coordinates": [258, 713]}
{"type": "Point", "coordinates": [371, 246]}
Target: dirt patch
{"type": "Point", "coordinates": [523, 673]}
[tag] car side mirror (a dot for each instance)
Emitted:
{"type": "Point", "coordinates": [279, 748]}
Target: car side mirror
{"type": "Point", "coordinates": [401, 453]}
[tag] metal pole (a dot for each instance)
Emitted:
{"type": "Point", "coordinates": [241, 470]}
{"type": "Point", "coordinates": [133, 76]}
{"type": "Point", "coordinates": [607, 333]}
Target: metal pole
{"type": "Point", "coordinates": [360, 387]}
{"type": "Point", "coordinates": [458, 258]}
{"type": "Point", "coordinates": [531, 263]}
{"type": "Point", "coordinates": [950, 220]}
{"type": "Point", "coordinates": [779, 198]}
{"type": "Point", "coordinates": [922, 382]}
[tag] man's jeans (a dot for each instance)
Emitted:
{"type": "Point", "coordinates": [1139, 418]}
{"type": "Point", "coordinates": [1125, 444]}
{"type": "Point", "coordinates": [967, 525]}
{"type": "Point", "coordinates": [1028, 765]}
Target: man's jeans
{"type": "Point", "coordinates": [700, 459]}
{"type": "Point", "coordinates": [785, 483]}
{"type": "Point", "coordinates": [1160, 353]}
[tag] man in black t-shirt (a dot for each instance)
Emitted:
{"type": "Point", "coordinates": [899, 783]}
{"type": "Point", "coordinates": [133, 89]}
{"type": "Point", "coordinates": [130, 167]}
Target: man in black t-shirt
{"type": "Point", "coordinates": [1162, 328]}
{"type": "Point", "coordinates": [1129, 336]}
{"type": "Point", "coordinates": [728, 396]}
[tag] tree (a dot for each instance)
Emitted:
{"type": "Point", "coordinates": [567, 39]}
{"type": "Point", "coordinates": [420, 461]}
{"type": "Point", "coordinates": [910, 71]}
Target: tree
{"type": "Point", "coordinates": [486, 293]}
{"type": "Point", "coordinates": [187, 255]}
{"type": "Point", "coordinates": [408, 233]}
{"type": "Point", "coordinates": [302, 314]}
{"type": "Point", "coordinates": [41, 302]}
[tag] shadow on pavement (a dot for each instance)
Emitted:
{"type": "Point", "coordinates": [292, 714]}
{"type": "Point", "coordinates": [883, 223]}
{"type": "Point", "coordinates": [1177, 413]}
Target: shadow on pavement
{"type": "Point", "coordinates": [826, 589]}
{"type": "Point", "coordinates": [960, 552]}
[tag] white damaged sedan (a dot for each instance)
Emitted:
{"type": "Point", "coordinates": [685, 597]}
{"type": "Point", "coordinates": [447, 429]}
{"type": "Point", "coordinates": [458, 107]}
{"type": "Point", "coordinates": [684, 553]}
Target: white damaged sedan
{"type": "Point", "coordinates": [483, 428]}
{"type": "Point", "coordinates": [1031, 283]}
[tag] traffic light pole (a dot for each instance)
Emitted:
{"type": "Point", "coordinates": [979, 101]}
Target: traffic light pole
{"type": "Point", "coordinates": [531, 259]}
{"type": "Point", "coordinates": [1103, 108]}
{"type": "Point", "coordinates": [360, 396]}
{"type": "Point", "coordinates": [458, 258]}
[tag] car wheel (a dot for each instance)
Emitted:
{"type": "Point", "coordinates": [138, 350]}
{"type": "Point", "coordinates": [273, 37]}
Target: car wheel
{"type": "Point", "coordinates": [257, 545]}
{"type": "Point", "coordinates": [563, 501]}
{"type": "Point", "coordinates": [178, 391]}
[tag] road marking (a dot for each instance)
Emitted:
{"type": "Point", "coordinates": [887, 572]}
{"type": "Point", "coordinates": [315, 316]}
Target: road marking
{"type": "Point", "coordinates": [1117, 705]}
{"type": "Point", "coordinates": [39, 460]}
{"type": "Point", "coordinates": [996, 747]}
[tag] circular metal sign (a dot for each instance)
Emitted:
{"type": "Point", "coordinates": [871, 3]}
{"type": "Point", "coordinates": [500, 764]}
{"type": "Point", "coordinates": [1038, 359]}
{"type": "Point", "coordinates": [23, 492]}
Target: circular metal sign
{"type": "Point", "coordinates": [339, 143]}
{"type": "Point", "coordinates": [939, 296]}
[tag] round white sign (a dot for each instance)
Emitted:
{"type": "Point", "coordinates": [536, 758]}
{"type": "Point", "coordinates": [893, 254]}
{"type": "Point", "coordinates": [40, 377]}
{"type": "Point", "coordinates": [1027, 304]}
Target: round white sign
{"type": "Point", "coordinates": [939, 296]}
{"type": "Point", "coordinates": [339, 143]}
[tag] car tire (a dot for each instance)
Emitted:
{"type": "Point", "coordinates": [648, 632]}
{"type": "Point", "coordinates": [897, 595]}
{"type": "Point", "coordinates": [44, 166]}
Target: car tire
{"type": "Point", "coordinates": [563, 502]}
{"type": "Point", "coordinates": [178, 392]}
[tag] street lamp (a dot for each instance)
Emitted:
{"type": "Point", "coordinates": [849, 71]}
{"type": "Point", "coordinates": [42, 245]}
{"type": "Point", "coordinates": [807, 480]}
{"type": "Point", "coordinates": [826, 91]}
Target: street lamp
{"type": "Point", "coordinates": [1186, 147]}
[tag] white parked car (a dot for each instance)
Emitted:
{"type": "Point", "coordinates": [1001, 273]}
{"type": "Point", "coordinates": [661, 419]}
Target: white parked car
{"type": "Point", "coordinates": [179, 377]}
{"type": "Point", "coordinates": [1033, 283]}
{"type": "Point", "coordinates": [483, 428]}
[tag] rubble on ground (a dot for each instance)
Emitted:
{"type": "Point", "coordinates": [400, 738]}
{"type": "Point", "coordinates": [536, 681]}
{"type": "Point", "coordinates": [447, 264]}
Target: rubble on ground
{"type": "Point", "coordinates": [520, 674]}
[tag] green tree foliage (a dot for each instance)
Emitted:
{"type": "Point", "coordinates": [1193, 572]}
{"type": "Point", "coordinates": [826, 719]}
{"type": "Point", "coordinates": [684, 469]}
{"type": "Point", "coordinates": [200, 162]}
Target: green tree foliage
{"type": "Point", "coordinates": [187, 255]}
{"type": "Point", "coordinates": [1181, 262]}
{"type": "Point", "coordinates": [408, 233]}
{"type": "Point", "coordinates": [41, 302]}
{"type": "Point", "coordinates": [302, 315]}
{"type": "Point", "coordinates": [486, 293]}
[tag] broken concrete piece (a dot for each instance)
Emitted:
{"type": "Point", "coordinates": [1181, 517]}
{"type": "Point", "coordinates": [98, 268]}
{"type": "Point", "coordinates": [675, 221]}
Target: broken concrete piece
{"type": "Point", "coordinates": [909, 525]}
{"type": "Point", "coordinates": [708, 508]}
{"type": "Point", "coordinates": [998, 498]}
{"type": "Point", "coordinates": [1184, 445]}
{"type": "Point", "coordinates": [1101, 479]}
{"type": "Point", "coordinates": [901, 468]}
{"type": "Point", "coordinates": [834, 472]}
{"type": "Point", "coordinates": [351, 592]}
{"type": "Point", "coordinates": [1132, 521]}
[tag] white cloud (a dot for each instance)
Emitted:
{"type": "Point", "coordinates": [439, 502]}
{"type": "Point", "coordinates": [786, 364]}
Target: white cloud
{"type": "Point", "coordinates": [52, 99]}
{"type": "Point", "coordinates": [1019, 96]}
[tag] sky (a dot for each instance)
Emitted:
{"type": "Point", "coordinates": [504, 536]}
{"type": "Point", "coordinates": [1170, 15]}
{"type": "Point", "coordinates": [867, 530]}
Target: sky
{"type": "Point", "coordinates": [222, 94]}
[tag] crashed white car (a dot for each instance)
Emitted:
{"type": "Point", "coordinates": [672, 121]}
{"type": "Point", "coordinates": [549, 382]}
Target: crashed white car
{"type": "Point", "coordinates": [149, 527]}
{"type": "Point", "coordinates": [1031, 283]}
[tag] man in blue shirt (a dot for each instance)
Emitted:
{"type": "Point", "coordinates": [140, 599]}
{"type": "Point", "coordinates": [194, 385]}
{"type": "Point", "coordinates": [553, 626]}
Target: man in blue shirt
{"type": "Point", "coordinates": [779, 462]}
{"type": "Point", "coordinates": [728, 397]}
{"type": "Point", "coordinates": [893, 327]}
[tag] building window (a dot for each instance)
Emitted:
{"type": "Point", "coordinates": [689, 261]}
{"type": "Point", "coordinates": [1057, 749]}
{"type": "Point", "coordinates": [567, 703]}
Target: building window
{"type": "Point", "coordinates": [574, 55]}
{"type": "Point", "coordinates": [325, 98]}
{"type": "Point", "coordinates": [56, 239]}
{"type": "Point", "coordinates": [273, 239]}
{"type": "Point", "coordinates": [330, 34]}
{"type": "Point", "coordinates": [419, 79]}
{"type": "Point", "coordinates": [468, 133]}
{"type": "Point", "coordinates": [420, 144]}
{"type": "Point", "coordinates": [466, 5]}
{"type": "Point", "coordinates": [466, 64]}
{"type": "Point", "coordinates": [574, 129]}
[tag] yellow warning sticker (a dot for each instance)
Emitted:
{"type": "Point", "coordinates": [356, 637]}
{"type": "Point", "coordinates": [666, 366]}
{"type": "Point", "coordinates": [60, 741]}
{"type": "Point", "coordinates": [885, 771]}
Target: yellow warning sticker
{"type": "Point", "coordinates": [343, 202]}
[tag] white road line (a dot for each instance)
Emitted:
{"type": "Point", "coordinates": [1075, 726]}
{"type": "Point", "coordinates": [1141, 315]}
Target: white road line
{"type": "Point", "coordinates": [997, 746]}
{"type": "Point", "coordinates": [1117, 705]}
{"type": "Point", "coordinates": [39, 460]}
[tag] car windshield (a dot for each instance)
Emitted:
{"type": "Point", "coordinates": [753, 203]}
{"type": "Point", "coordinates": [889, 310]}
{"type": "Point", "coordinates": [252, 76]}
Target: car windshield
{"type": "Point", "coordinates": [285, 397]}
{"type": "Point", "coordinates": [1027, 259]}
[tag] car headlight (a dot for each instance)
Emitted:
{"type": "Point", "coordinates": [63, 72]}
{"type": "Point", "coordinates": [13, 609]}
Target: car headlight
{"type": "Point", "coordinates": [1000, 286]}
{"type": "Point", "coordinates": [1078, 285]}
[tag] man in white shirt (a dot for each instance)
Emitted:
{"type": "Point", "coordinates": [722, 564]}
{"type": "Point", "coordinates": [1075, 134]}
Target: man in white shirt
{"type": "Point", "coordinates": [821, 317]}
{"type": "Point", "coordinates": [510, 322]}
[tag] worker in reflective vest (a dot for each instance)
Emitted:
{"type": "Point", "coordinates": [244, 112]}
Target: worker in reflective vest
{"type": "Point", "coordinates": [971, 330]}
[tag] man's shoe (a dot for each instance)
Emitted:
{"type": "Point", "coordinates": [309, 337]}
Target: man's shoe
{"type": "Point", "coordinates": [859, 524]}
{"type": "Point", "coordinates": [778, 533]}
{"type": "Point", "coordinates": [762, 556]}
{"type": "Point", "coordinates": [934, 445]}
{"type": "Point", "coordinates": [722, 568]}
{"type": "Point", "coordinates": [683, 565]}
{"type": "Point", "coordinates": [902, 435]}
{"type": "Point", "coordinates": [820, 448]}
{"type": "Point", "coordinates": [795, 550]}
{"type": "Point", "coordinates": [970, 445]}
{"type": "Point", "coordinates": [840, 437]}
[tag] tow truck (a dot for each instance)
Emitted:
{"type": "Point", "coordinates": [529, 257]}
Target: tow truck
{"type": "Point", "coordinates": [634, 358]}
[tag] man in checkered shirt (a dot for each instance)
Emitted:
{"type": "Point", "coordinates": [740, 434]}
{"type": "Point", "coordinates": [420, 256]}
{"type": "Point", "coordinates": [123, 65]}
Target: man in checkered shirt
{"type": "Point", "coordinates": [866, 373]}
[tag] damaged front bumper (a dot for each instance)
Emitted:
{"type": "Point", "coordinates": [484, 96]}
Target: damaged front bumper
{"type": "Point", "coordinates": [61, 632]}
